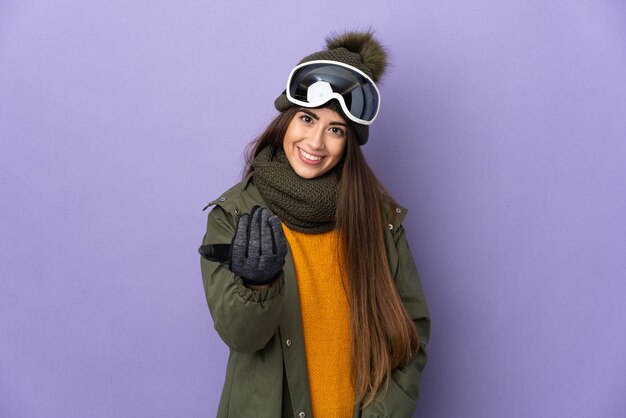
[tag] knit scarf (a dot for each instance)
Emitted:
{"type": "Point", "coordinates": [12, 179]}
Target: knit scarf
{"type": "Point", "coordinates": [306, 205]}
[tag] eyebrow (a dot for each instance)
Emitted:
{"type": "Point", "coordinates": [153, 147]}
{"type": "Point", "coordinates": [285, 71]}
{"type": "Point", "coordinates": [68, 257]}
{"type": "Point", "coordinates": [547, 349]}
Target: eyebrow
{"type": "Point", "coordinates": [314, 116]}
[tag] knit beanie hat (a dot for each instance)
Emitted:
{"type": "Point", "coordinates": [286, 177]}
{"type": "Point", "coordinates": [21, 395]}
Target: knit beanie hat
{"type": "Point", "coordinates": [358, 49]}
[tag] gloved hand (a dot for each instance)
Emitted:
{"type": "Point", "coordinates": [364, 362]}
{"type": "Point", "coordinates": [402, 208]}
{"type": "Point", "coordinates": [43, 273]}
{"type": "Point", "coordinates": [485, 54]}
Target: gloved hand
{"type": "Point", "coordinates": [259, 247]}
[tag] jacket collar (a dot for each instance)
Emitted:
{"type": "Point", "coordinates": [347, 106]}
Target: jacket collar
{"type": "Point", "coordinates": [235, 199]}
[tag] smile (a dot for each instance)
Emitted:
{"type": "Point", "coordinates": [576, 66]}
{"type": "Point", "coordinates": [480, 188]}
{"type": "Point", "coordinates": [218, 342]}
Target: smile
{"type": "Point", "coordinates": [308, 158]}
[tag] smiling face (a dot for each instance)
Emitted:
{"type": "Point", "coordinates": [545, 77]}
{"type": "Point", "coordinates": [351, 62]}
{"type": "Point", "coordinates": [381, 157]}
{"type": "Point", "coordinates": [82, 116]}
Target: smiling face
{"type": "Point", "coordinates": [315, 141]}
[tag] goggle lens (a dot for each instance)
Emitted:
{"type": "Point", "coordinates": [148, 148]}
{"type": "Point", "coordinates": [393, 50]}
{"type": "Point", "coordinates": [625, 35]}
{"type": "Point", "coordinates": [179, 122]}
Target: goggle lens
{"type": "Point", "coordinates": [317, 82]}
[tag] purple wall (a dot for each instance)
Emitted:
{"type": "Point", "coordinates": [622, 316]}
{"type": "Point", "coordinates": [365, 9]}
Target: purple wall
{"type": "Point", "coordinates": [503, 129]}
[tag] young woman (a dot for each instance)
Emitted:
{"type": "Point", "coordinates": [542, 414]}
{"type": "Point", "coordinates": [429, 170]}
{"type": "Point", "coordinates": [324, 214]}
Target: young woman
{"type": "Point", "coordinates": [306, 267]}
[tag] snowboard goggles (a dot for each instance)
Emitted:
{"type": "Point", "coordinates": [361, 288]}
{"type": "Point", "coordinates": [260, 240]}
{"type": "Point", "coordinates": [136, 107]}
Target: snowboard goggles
{"type": "Point", "coordinates": [313, 83]}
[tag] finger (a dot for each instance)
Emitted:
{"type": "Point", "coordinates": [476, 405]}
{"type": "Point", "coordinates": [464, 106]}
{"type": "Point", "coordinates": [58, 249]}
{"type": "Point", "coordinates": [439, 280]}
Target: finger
{"type": "Point", "coordinates": [241, 231]}
{"type": "Point", "coordinates": [280, 242]}
{"type": "Point", "coordinates": [250, 226]}
{"type": "Point", "coordinates": [240, 240]}
{"type": "Point", "coordinates": [255, 231]}
{"type": "Point", "coordinates": [268, 246]}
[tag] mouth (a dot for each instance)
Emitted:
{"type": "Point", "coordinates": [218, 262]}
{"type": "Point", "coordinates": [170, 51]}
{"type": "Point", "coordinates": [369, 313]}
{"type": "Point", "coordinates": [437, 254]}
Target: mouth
{"type": "Point", "coordinates": [309, 159]}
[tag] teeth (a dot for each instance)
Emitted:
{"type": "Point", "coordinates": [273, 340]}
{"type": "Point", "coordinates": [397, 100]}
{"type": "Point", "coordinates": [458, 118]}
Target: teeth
{"type": "Point", "coordinates": [309, 156]}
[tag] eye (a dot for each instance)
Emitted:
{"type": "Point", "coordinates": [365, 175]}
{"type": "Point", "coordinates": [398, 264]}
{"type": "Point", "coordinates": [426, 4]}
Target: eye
{"type": "Point", "coordinates": [337, 131]}
{"type": "Point", "coordinates": [306, 118]}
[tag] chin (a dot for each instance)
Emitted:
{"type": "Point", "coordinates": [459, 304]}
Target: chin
{"type": "Point", "coordinates": [307, 174]}
{"type": "Point", "coordinates": [305, 171]}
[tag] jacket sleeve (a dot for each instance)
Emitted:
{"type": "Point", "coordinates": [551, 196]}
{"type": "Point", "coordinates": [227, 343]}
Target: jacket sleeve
{"type": "Point", "coordinates": [245, 319]}
{"type": "Point", "coordinates": [400, 397]}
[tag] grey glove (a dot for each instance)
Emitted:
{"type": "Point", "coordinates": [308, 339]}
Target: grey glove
{"type": "Point", "coordinates": [259, 247]}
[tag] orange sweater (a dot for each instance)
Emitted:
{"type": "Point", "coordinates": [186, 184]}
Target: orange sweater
{"type": "Point", "coordinates": [325, 321]}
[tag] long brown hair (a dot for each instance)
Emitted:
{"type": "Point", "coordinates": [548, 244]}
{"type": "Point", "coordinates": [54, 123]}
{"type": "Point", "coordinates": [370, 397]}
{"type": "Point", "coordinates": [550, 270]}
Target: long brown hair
{"type": "Point", "coordinates": [383, 334]}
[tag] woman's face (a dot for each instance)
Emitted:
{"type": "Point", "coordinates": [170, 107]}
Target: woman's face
{"type": "Point", "coordinates": [315, 141]}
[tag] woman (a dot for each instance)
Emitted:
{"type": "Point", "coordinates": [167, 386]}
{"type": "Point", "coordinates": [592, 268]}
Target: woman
{"type": "Point", "coordinates": [307, 271]}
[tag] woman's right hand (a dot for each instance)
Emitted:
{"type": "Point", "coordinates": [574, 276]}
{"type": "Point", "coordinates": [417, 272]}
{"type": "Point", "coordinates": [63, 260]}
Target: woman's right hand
{"type": "Point", "coordinates": [259, 247]}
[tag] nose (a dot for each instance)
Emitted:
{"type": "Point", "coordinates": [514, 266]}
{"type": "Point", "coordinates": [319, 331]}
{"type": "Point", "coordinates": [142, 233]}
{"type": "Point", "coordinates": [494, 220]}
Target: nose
{"type": "Point", "coordinates": [316, 138]}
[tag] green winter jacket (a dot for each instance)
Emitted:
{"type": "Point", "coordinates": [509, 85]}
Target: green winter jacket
{"type": "Point", "coordinates": [266, 374]}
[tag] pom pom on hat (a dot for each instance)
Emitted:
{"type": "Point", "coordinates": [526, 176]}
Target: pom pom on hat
{"type": "Point", "coordinates": [373, 54]}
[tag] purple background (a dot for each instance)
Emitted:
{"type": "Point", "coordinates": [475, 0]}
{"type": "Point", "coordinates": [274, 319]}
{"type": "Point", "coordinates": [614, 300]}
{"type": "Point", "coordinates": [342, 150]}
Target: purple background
{"type": "Point", "coordinates": [503, 129]}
